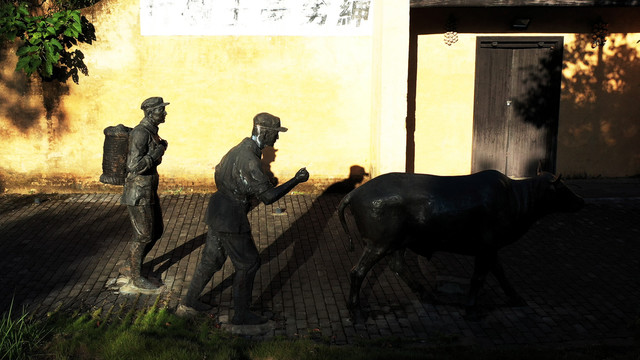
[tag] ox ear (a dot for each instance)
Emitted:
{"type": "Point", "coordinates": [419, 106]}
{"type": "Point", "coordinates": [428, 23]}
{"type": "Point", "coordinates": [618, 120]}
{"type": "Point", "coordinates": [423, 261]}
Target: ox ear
{"type": "Point", "coordinates": [539, 170]}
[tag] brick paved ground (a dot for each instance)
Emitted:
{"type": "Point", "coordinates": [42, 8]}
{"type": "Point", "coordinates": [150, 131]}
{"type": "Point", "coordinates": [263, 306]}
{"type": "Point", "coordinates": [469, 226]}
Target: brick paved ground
{"type": "Point", "coordinates": [579, 273]}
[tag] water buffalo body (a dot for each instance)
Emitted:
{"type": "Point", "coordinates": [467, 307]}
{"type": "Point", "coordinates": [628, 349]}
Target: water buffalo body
{"type": "Point", "coordinates": [472, 215]}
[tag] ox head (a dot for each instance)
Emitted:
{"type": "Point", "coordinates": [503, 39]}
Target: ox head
{"type": "Point", "coordinates": [556, 196]}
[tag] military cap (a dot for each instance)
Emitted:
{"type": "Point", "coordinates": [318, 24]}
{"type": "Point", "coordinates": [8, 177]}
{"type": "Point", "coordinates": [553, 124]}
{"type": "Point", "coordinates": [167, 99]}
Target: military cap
{"type": "Point", "coordinates": [268, 121]}
{"type": "Point", "coordinates": [152, 103]}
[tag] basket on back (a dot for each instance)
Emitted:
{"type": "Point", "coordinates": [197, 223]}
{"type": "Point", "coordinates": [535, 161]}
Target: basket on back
{"type": "Point", "coordinates": [115, 151]}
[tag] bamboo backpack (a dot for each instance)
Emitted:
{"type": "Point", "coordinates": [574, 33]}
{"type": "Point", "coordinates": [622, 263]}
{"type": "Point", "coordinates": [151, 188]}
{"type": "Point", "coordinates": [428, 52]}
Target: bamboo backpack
{"type": "Point", "coordinates": [115, 152]}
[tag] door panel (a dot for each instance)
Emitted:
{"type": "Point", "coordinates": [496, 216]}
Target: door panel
{"type": "Point", "coordinates": [516, 104]}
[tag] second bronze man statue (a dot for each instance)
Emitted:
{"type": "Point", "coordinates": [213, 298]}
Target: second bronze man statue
{"type": "Point", "coordinates": [239, 177]}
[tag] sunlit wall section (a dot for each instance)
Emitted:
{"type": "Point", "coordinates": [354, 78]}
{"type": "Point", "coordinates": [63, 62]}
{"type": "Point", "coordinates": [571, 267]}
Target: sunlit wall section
{"type": "Point", "coordinates": [444, 98]}
{"type": "Point", "coordinates": [599, 131]}
{"type": "Point", "coordinates": [598, 124]}
{"type": "Point", "coordinates": [320, 86]}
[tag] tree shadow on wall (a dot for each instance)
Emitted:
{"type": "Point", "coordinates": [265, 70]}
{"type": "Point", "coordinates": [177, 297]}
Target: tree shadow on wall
{"type": "Point", "coordinates": [600, 92]}
{"type": "Point", "coordinates": [24, 115]}
{"type": "Point", "coordinates": [17, 88]}
{"type": "Point", "coordinates": [539, 105]}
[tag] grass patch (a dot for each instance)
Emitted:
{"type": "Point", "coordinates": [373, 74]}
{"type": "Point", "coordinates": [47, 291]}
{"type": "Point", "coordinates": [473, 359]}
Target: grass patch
{"type": "Point", "coordinates": [19, 334]}
{"type": "Point", "coordinates": [156, 333]}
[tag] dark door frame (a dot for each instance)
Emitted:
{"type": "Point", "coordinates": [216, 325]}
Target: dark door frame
{"type": "Point", "coordinates": [535, 114]}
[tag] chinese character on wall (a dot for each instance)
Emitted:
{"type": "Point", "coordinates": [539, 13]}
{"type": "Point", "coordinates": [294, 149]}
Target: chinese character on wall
{"type": "Point", "coordinates": [274, 10]}
{"type": "Point", "coordinates": [316, 12]}
{"type": "Point", "coordinates": [354, 11]}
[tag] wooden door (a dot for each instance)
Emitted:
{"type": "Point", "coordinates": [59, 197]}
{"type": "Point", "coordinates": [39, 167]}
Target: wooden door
{"type": "Point", "coordinates": [517, 94]}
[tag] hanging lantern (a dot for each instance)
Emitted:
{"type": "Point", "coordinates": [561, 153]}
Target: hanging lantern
{"type": "Point", "coordinates": [451, 31]}
{"type": "Point", "coordinates": [599, 34]}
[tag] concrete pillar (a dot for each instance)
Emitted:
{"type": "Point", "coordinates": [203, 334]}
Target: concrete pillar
{"type": "Point", "coordinates": [389, 85]}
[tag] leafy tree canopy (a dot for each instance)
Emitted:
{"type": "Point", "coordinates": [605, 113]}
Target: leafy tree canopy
{"type": "Point", "coordinates": [47, 32]}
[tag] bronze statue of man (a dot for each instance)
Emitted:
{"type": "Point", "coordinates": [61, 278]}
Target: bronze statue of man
{"type": "Point", "coordinates": [239, 177]}
{"type": "Point", "coordinates": [140, 195]}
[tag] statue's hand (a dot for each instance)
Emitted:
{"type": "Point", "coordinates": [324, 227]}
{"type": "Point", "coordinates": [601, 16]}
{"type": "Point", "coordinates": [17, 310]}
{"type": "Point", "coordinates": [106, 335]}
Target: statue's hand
{"type": "Point", "coordinates": [164, 143]}
{"type": "Point", "coordinates": [302, 175]}
{"type": "Point", "coordinates": [156, 154]}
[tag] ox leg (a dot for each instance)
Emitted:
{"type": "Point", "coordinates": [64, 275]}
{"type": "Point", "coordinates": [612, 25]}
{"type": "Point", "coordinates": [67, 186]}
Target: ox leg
{"type": "Point", "coordinates": [514, 298]}
{"type": "Point", "coordinates": [368, 258]}
{"type": "Point", "coordinates": [398, 265]}
{"type": "Point", "coordinates": [483, 264]}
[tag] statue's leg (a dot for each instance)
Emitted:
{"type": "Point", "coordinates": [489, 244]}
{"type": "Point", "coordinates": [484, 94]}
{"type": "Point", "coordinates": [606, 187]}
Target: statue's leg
{"type": "Point", "coordinates": [514, 298]}
{"type": "Point", "coordinates": [246, 260]}
{"type": "Point", "coordinates": [357, 275]}
{"type": "Point", "coordinates": [157, 227]}
{"type": "Point", "coordinates": [142, 221]}
{"type": "Point", "coordinates": [399, 265]}
{"type": "Point", "coordinates": [212, 260]}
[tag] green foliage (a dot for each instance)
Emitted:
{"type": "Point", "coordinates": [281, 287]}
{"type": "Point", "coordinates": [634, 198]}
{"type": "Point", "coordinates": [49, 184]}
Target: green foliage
{"type": "Point", "coordinates": [19, 335]}
{"type": "Point", "coordinates": [47, 41]}
{"type": "Point", "coordinates": [156, 333]}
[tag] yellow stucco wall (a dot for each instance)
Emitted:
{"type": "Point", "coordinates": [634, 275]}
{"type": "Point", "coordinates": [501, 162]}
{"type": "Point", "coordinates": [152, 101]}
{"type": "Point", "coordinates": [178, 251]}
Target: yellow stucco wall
{"type": "Point", "coordinates": [319, 86]}
{"type": "Point", "coordinates": [444, 111]}
{"type": "Point", "coordinates": [599, 117]}
{"type": "Point", "coordinates": [343, 98]}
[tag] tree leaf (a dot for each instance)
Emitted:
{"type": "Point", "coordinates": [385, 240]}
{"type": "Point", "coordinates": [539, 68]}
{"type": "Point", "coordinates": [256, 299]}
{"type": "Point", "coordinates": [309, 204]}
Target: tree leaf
{"type": "Point", "coordinates": [22, 63]}
{"type": "Point", "coordinates": [22, 9]}
{"type": "Point", "coordinates": [36, 63]}
{"type": "Point", "coordinates": [70, 32]}
{"type": "Point", "coordinates": [48, 69]}
{"type": "Point", "coordinates": [56, 43]}
{"type": "Point", "coordinates": [77, 27]}
{"type": "Point", "coordinates": [76, 16]}
{"type": "Point", "coordinates": [22, 50]}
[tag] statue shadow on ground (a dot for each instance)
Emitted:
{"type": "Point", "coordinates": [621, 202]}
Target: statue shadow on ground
{"type": "Point", "coordinates": [174, 256]}
{"type": "Point", "coordinates": [310, 224]}
{"type": "Point", "coordinates": [30, 274]}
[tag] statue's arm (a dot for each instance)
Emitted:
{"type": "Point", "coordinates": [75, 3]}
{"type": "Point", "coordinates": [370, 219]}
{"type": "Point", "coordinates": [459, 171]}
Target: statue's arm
{"type": "Point", "coordinates": [139, 159]}
{"type": "Point", "coordinates": [274, 194]}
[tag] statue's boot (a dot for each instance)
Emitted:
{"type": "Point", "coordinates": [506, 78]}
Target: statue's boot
{"type": "Point", "coordinates": [124, 267]}
{"type": "Point", "coordinates": [190, 302]}
{"type": "Point", "coordinates": [242, 289]}
{"type": "Point", "coordinates": [137, 282]}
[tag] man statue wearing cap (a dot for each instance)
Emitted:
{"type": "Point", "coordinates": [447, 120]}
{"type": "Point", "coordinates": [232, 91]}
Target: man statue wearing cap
{"type": "Point", "coordinates": [140, 195]}
{"type": "Point", "coordinates": [239, 177]}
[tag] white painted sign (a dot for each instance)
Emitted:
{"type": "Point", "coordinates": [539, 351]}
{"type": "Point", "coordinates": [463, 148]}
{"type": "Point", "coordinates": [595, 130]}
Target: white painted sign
{"type": "Point", "coordinates": [256, 17]}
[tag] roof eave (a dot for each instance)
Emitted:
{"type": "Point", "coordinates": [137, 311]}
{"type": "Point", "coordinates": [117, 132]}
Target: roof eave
{"type": "Point", "coordinates": [513, 3]}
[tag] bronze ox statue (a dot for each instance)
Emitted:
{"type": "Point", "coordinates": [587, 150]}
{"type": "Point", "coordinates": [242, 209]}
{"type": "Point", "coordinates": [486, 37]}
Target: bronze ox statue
{"type": "Point", "coordinates": [472, 215]}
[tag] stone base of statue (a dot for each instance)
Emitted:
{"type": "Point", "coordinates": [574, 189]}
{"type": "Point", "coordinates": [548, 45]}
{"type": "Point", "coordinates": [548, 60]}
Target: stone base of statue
{"type": "Point", "coordinates": [247, 330]}
{"type": "Point", "coordinates": [185, 311]}
{"type": "Point", "coordinates": [129, 287]}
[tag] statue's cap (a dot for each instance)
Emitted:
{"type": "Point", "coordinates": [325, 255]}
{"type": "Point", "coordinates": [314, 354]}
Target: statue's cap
{"type": "Point", "coordinates": [152, 103]}
{"type": "Point", "coordinates": [268, 121]}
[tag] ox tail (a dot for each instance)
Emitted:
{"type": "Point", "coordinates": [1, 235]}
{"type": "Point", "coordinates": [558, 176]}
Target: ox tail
{"type": "Point", "coordinates": [343, 204]}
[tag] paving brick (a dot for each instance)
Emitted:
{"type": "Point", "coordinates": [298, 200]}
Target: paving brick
{"type": "Point", "coordinates": [579, 281]}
